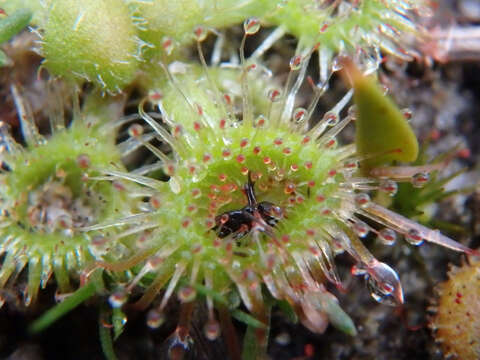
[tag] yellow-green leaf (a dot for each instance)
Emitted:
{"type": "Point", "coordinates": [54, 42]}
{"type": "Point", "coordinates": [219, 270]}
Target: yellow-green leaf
{"type": "Point", "coordinates": [382, 132]}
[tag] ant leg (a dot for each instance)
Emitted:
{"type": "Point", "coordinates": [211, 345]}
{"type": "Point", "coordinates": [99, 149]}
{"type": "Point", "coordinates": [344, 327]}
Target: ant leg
{"type": "Point", "coordinates": [250, 192]}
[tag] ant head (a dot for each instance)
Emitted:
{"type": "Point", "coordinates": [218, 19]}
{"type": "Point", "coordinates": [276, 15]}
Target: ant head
{"type": "Point", "coordinates": [271, 213]}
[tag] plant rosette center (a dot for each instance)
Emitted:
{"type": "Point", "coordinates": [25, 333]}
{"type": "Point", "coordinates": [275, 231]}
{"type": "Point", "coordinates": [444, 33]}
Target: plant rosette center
{"type": "Point", "coordinates": [285, 170]}
{"type": "Point", "coordinates": [48, 197]}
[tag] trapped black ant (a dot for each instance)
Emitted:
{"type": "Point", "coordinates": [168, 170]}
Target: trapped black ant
{"type": "Point", "coordinates": [262, 216]}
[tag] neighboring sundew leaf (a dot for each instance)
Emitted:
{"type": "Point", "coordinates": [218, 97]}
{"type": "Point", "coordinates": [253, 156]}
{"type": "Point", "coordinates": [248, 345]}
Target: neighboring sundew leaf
{"type": "Point", "coordinates": [382, 132]}
{"type": "Point", "coordinates": [337, 317]}
{"type": "Point", "coordinates": [13, 24]}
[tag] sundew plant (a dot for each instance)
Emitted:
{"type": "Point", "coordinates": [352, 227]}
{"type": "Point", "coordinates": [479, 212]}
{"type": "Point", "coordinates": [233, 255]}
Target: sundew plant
{"type": "Point", "coordinates": [259, 200]}
{"type": "Point", "coordinates": [249, 196]}
{"type": "Point", "coordinates": [46, 196]}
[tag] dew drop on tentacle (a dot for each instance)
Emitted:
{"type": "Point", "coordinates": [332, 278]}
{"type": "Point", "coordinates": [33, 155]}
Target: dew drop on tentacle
{"type": "Point", "coordinates": [331, 118]}
{"type": "Point", "coordinates": [155, 319]}
{"type": "Point", "coordinates": [99, 244]}
{"type": "Point", "coordinates": [389, 187]}
{"type": "Point", "coordinates": [178, 347]}
{"type": "Point", "coordinates": [296, 62]}
{"type": "Point", "coordinates": [387, 236]}
{"type": "Point", "coordinates": [407, 113]}
{"type": "Point", "coordinates": [261, 121]}
{"type": "Point", "coordinates": [299, 115]}
{"type": "Point", "coordinates": [200, 33]}
{"type": "Point", "coordinates": [383, 283]}
{"type": "Point", "coordinates": [362, 199]}
{"type": "Point", "coordinates": [167, 45]}
{"type": "Point", "coordinates": [413, 237]}
{"type": "Point", "coordinates": [358, 270]}
{"type": "Point", "coordinates": [83, 161]}
{"type": "Point", "coordinates": [420, 179]}
{"type": "Point", "coordinates": [186, 294]}
{"type": "Point", "coordinates": [135, 130]}
{"type": "Point", "coordinates": [251, 25]}
{"type": "Point", "coordinates": [361, 228]}
{"type": "Point", "coordinates": [283, 338]}
{"type": "Point", "coordinates": [118, 298]}
{"type": "Point", "coordinates": [379, 292]}
{"type": "Point", "coordinates": [274, 95]}
{"type": "Point", "coordinates": [211, 329]}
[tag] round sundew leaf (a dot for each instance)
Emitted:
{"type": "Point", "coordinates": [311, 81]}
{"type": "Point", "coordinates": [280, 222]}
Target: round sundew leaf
{"type": "Point", "coordinates": [94, 40]}
{"type": "Point", "coordinates": [382, 132]}
{"type": "Point", "coordinates": [35, 7]}
{"type": "Point", "coordinates": [178, 19]}
{"type": "Point", "coordinates": [12, 24]}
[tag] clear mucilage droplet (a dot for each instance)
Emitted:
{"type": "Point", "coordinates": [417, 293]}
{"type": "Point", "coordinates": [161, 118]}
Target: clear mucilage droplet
{"type": "Point", "coordinates": [362, 200]}
{"type": "Point", "coordinates": [178, 347]}
{"type": "Point", "coordinates": [414, 238]}
{"type": "Point", "coordinates": [212, 330]}
{"type": "Point", "coordinates": [331, 118]}
{"type": "Point", "coordinates": [337, 64]}
{"type": "Point", "coordinates": [389, 187]}
{"type": "Point", "coordinates": [378, 292]}
{"type": "Point", "coordinates": [155, 319]}
{"type": "Point", "coordinates": [384, 284]}
{"type": "Point", "coordinates": [361, 228]}
{"type": "Point", "coordinates": [168, 45]}
{"type": "Point", "coordinates": [135, 130]}
{"type": "Point", "coordinates": [200, 33]}
{"type": "Point", "coordinates": [186, 294]}
{"type": "Point", "coordinates": [419, 180]}
{"type": "Point", "coordinates": [295, 62]}
{"type": "Point", "coordinates": [251, 25]}
{"type": "Point", "coordinates": [118, 298]}
{"type": "Point", "coordinates": [387, 236]}
{"type": "Point", "coordinates": [261, 121]}
{"type": "Point", "coordinates": [274, 95]}
{"type": "Point", "coordinates": [299, 115]}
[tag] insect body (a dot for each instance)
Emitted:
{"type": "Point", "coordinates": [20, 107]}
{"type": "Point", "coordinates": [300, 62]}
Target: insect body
{"type": "Point", "coordinates": [238, 223]}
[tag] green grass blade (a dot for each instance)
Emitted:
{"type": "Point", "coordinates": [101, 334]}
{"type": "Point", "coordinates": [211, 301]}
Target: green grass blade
{"type": "Point", "coordinates": [59, 310]}
{"type": "Point", "coordinates": [252, 349]}
{"type": "Point", "coordinates": [105, 336]}
{"type": "Point", "coordinates": [248, 319]}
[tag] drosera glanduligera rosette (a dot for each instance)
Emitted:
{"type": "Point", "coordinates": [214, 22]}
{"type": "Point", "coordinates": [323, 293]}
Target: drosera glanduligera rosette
{"type": "Point", "coordinates": [200, 235]}
{"type": "Point", "coordinates": [47, 194]}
